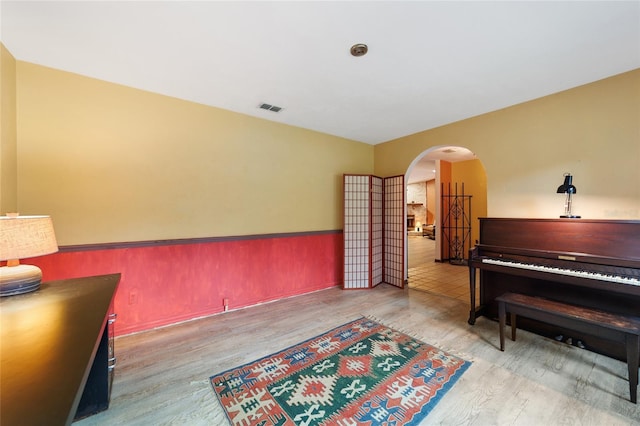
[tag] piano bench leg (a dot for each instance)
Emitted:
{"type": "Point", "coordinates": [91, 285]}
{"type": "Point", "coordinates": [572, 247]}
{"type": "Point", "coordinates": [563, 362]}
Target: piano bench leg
{"type": "Point", "coordinates": [501, 320]}
{"type": "Point", "coordinates": [502, 317]}
{"type": "Point", "coordinates": [633, 351]}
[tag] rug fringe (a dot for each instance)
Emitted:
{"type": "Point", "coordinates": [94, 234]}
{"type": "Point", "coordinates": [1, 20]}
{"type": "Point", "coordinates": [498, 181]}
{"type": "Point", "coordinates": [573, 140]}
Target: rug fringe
{"type": "Point", "coordinates": [459, 354]}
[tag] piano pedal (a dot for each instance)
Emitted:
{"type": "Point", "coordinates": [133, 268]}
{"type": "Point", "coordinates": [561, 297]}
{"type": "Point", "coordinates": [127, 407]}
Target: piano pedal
{"type": "Point", "coordinates": [569, 341]}
{"type": "Point", "coordinates": [580, 344]}
{"type": "Point", "coordinates": [559, 337]}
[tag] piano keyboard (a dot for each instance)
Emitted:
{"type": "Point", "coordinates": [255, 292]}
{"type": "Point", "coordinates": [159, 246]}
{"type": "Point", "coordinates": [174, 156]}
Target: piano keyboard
{"type": "Point", "coordinates": [563, 271]}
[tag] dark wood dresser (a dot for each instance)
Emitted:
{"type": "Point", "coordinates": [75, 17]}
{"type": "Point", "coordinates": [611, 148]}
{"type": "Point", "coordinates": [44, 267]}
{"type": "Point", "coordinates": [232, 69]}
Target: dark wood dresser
{"type": "Point", "coordinates": [55, 351]}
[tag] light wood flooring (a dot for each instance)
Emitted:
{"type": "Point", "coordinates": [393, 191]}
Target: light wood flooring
{"type": "Point", "coordinates": [161, 377]}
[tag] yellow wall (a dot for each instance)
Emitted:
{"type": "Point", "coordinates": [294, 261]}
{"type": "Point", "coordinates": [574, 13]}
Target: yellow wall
{"type": "Point", "coordinates": [8, 139]}
{"type": "Point", "coordinates": [592, 131]}
{"type": "Point", "coordinates": [111, 163]}
{"type": "Point", "coordinates": [473, 175]}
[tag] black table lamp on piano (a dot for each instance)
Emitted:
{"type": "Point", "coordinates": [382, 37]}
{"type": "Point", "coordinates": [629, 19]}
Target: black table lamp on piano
{"type": "Point", "coordinates": [569, 189]}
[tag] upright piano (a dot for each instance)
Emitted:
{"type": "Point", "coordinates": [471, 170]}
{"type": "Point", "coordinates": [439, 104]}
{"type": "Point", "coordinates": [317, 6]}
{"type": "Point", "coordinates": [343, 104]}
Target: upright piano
{"type": "Point", "coordinates": [591, 263]}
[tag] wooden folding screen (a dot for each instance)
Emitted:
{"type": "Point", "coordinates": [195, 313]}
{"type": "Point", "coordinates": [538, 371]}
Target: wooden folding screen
{"type": "Point", "coordinates": [357, 231]}
{"type": "Point", "coordinates": [377, 248]}
{"type": "Point", "coordinates": [394, 221]}
{"type": "Point", "coordinates": [373, 231]}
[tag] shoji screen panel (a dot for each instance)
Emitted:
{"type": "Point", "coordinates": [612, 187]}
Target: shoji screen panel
{"type": "Point", "coordinates": [377, 244]}
{"type": "Point", "coordinates": [394, 221]}
{"type": "Point", "coordinates": [357, 232]}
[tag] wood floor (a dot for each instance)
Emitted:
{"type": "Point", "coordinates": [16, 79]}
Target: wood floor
{"type": "Point", "coordinates": [161, 377]}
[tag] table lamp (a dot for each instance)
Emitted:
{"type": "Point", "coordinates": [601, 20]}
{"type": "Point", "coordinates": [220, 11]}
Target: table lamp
{"type": "Point", "coordinates": [569, 189]}
{"type": "Point", "coordinates": [23, 237]}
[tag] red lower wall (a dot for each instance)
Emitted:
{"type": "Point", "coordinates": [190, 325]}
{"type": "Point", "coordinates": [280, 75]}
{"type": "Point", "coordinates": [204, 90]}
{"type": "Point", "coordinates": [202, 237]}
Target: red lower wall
{"type": "Point", "coordinates": [165, 284]}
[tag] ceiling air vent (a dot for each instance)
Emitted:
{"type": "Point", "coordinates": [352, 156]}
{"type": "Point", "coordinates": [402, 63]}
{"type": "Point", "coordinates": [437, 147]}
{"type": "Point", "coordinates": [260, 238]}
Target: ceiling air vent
{"type": "Point", "coordinates": [271, 107]}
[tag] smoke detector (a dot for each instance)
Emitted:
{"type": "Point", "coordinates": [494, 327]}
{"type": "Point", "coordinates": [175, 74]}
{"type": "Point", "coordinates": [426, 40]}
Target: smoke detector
{"type": "Point", "coordinates": [359, 49]}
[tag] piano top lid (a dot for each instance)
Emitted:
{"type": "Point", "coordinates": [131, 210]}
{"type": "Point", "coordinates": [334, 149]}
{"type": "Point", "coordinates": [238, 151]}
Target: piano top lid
{"type": "Point", "coordinates": [613, 239]}
{"type": "Point", "coordinates": [574, 220]}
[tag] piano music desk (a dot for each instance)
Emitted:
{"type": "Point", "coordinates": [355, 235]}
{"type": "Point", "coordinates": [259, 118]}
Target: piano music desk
{"type": "Point", "coordinates": [618, 328]}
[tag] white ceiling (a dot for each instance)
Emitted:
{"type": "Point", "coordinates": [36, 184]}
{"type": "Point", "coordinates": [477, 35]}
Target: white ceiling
{"type": "Point", "coordinates": [429, 63]}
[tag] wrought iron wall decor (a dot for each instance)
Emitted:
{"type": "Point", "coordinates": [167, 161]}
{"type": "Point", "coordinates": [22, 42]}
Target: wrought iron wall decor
{"type": "Point", "coordinates": [456, 223]}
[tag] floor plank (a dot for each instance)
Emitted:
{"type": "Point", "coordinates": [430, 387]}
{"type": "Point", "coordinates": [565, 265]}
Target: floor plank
{"type": "Point", "coordinates": [161, 377]}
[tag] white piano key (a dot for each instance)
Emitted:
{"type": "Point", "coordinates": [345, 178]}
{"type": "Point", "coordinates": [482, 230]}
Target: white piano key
{"type": "Point", "coordinates": [562, 271]}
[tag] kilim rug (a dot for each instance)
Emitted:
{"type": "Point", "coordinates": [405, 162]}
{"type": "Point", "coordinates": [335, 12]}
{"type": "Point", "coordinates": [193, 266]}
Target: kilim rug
{"type": "Point", "coordinates": [361, 373]}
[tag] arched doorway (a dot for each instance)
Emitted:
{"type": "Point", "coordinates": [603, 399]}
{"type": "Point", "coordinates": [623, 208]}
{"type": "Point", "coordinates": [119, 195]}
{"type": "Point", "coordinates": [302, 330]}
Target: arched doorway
{"type": "Point", "coordinates": [427, 256]}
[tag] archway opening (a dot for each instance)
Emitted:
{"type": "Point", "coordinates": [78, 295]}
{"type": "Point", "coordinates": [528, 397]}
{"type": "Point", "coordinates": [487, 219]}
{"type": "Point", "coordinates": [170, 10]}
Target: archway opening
{"type": "Point", "coordinates": [438, 170]}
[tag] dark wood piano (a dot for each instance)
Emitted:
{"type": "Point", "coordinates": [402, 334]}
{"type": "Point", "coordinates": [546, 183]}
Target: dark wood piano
{"type": "Point", "coordinates": [591, 263]}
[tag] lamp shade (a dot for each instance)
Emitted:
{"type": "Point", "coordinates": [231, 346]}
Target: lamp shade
{"type": "Point", "coordinates": [567, 187]}
{"type": "Point", "coordinates": [26, 236]}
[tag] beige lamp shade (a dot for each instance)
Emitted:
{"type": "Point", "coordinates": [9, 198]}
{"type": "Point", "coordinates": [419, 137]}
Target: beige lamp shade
{"type": "Point", "coordinates": [22, 237]}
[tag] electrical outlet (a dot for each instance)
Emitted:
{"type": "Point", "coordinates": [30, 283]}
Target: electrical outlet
{"type": "Point", "coordinates": [133, 297]}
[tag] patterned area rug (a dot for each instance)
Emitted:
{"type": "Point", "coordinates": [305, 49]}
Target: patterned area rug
{"type": "Point", "coordinates": [361, 373]}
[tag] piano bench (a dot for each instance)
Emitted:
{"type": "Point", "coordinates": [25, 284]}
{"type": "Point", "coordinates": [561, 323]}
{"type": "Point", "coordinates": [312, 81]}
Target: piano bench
{"type": "Point", "coordinates": [618, 328]}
